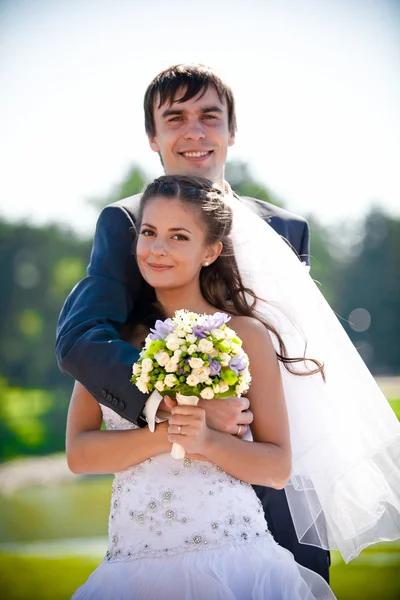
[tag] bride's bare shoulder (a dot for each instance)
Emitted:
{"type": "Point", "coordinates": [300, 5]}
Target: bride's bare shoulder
{"type": "Point", "coordinates": [245, 326]}
{"type": "Point", "coordinates": [257, 342]}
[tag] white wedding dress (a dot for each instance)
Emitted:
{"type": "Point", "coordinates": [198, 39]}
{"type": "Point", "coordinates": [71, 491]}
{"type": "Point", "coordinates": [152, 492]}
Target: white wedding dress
{"type": "Point", "coordinates": [186, 530]}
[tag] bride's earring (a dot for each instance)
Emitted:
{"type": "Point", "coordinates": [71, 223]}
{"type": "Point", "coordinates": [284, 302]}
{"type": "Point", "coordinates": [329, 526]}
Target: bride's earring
{"type": "Point", "coordinates": [206, 263]}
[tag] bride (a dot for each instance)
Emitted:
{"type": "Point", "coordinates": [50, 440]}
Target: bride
{"type": "Point", "coordinates": [193, 528]}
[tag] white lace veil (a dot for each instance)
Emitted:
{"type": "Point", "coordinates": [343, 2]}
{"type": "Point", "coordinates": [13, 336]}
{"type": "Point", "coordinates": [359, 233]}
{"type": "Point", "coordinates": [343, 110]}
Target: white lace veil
{"type": "Point", "coordinates": [344, 491]}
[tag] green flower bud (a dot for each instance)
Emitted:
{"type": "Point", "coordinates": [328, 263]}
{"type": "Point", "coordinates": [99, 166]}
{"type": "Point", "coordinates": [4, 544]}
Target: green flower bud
{"type": "Point", "coordinates": [153, 348]}
{"type": "Point", "coordinates": [224, 346]}
{"type": "Point", "coordinates": [228, 376]}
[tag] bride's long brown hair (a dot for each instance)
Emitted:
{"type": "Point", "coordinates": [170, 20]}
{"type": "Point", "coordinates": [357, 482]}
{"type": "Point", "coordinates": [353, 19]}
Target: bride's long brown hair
{"type": "Point", "coordinates": [220, 282]}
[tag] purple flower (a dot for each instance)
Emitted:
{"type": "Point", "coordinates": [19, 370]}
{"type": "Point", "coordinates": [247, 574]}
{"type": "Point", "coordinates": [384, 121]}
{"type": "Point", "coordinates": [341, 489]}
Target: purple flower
{"type": "Point", "coordinates": [198, 331]}
{"type": "Point", "coordinates": [216, 321]}
{"type": "Point", "coordinates": [215, 367]}
{"type": "Point", "coordinates": [238, 363]}
{"type": "Point", "coordinates": [161, 329]}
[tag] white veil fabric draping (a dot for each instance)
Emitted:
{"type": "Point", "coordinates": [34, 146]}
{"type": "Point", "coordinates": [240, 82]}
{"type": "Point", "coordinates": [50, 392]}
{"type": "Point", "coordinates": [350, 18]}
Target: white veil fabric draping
{"type": "Point", "coordinates": [344, 491]}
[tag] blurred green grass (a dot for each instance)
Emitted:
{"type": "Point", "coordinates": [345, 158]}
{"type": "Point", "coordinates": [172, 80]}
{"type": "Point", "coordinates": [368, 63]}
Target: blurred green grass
{"type": "Point", "coordinates": [38, 578]}
{"type": "Point", "coordinates": [395, 404]}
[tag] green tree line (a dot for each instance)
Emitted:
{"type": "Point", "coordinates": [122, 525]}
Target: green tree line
{"type": "Point", "coordinates": [357, 270]}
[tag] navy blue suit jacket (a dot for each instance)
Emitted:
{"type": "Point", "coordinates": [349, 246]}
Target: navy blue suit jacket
{"type": "Point", "coordinates": [88, 346]}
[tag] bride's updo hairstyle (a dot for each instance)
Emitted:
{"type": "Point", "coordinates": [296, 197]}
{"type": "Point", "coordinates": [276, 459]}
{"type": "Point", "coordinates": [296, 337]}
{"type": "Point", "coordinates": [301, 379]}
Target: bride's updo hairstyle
{"type": "Point", "coordinates": [220, 282]}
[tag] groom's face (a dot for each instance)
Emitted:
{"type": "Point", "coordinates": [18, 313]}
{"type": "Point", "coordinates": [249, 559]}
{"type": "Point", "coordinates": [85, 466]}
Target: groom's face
{"type": "Point", "coordinates": [193, 137]}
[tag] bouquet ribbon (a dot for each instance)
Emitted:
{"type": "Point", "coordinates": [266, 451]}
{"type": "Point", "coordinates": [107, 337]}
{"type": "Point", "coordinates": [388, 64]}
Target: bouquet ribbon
{"type": "Point", "coordinates": [178, 450]}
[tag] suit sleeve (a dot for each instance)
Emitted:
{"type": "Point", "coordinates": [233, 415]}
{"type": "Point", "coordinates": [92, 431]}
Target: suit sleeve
{"type": "Point", "coordinates": [304, 250]}
{"type": "Point", "coordinates": [87, 345]}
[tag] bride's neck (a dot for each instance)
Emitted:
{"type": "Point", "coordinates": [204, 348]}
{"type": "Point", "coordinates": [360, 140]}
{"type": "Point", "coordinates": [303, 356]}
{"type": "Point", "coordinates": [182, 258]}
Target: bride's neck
{"type": "Point", "coordinates": [177, 299]}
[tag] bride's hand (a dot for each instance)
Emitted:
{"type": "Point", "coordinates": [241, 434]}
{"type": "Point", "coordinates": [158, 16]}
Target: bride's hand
{"type": "Point", "coordinates": [188, 427]}
{"type": "Point", "coordinates": [166, 404]}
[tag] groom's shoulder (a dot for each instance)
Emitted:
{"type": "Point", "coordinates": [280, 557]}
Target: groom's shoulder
{"type": "Point", "coordinates": [267, 211]}
{"type": "Point", "coordinates": [130, 204]}
{"type": "Point", "coordinates": [120, 211]}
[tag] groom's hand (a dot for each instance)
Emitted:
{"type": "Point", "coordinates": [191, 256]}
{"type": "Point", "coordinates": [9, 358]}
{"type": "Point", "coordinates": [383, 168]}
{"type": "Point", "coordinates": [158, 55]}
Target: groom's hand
{"type": "Point", "coordinates": [227, 414]}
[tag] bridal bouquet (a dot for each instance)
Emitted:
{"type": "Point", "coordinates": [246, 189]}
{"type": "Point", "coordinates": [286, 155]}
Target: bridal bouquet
{"type": "Point", "coordinates": [192, 356]}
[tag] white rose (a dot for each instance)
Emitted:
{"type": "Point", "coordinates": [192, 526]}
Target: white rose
{"type": "Point", "coordinates": [176, 356]}
{"type": "Point", "coordinates": [202, 373]}
{"type": "Point", "coordinates": [218, 334]}
{"type": "Point", "coordinates": [172, 342]}
{"type": "Point", "coordinates": [162, 358]}
{"type": "Point", "coordinates": [191, 338]}
{"type": "Point", "coordinates": [142, 386]}
{"type": "Point", "coordinates": [207, 393]}
{"type": "Point", "coordinates": [223, 387]}
{"type": "Point", "coordinates": [171, 366]}
{"type": "Point", "coordinates": [136, 369]}
{"type": "Point", "coordinates": [192, 380]}
{"type": "Point", "coordinates": [214, 353]}
{"type": "Point", "coordinates": [180, 332]}
{"type": "Point", "coordinates": [196, 363]}
{"type": "Point", "coordinates": [160, 385]}
{"type": "Point", "coordinates": [171, 336]}
{"type": "Point", "coordinates": [229, 332]}
{"type": "Point", "coordinates": [225, 359]}
{"type": "Point", "coordinates": [192, 348]}
{"type": "Point", "coordinates": [240, 389]}
{"type": "Point", "coordinates": [145, 378]}
{"type": "Point", "coordinates": [147, 365]}
{"type": "Point", "coordinates": [208, 381]}
{"type": "Point", "coordinates": [216, 388]}
{"type": "Point", "coordinates": [205, 345]}
{"type": "Point", "coordinates": [170, 380]}
{"type": "Point", "coordinates": [245, 376]}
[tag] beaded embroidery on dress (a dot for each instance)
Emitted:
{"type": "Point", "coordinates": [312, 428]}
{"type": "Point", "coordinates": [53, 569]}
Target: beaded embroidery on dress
{"type": "Point", "coordinates": [191, 530]}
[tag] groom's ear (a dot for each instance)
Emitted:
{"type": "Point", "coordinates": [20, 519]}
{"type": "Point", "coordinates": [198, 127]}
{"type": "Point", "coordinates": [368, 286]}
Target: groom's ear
{"type": "Point", "coordinates": [153, 143]}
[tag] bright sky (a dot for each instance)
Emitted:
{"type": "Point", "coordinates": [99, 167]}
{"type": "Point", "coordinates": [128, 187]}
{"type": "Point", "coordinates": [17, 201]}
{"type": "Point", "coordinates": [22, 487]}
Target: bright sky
{"type": "Point", "coordinates": [317, 84]}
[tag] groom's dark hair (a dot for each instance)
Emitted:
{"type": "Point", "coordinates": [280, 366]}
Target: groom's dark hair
{"type": "Point", "coordinates": [190, 80]}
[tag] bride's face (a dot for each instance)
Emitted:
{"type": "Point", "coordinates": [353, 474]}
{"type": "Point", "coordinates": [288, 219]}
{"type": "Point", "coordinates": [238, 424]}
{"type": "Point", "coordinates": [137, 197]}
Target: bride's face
{"type": "Point", "coordinates": [172, 246]}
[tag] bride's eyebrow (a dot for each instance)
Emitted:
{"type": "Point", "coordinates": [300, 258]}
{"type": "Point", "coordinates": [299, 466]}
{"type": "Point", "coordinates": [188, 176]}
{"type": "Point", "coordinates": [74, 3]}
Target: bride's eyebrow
{"type": "Point", "coordinates": [170, 229]}
{"type": "Point", "coordinates": [179, 229]}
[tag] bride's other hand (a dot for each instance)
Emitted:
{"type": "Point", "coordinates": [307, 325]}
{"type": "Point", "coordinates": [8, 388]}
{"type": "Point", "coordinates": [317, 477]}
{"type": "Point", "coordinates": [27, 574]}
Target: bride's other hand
{"type": "Point", "coordinates": [188, 427]}
{"type": "Point", "coordinates": [227, 414]}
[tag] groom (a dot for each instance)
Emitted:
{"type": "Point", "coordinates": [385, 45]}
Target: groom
{"type": "Point", "coordinates": [190, 122]}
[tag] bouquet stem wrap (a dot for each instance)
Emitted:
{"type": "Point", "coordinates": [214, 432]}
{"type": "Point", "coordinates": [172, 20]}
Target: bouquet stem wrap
{"type": "Point", "coordinates": [178, 450]}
